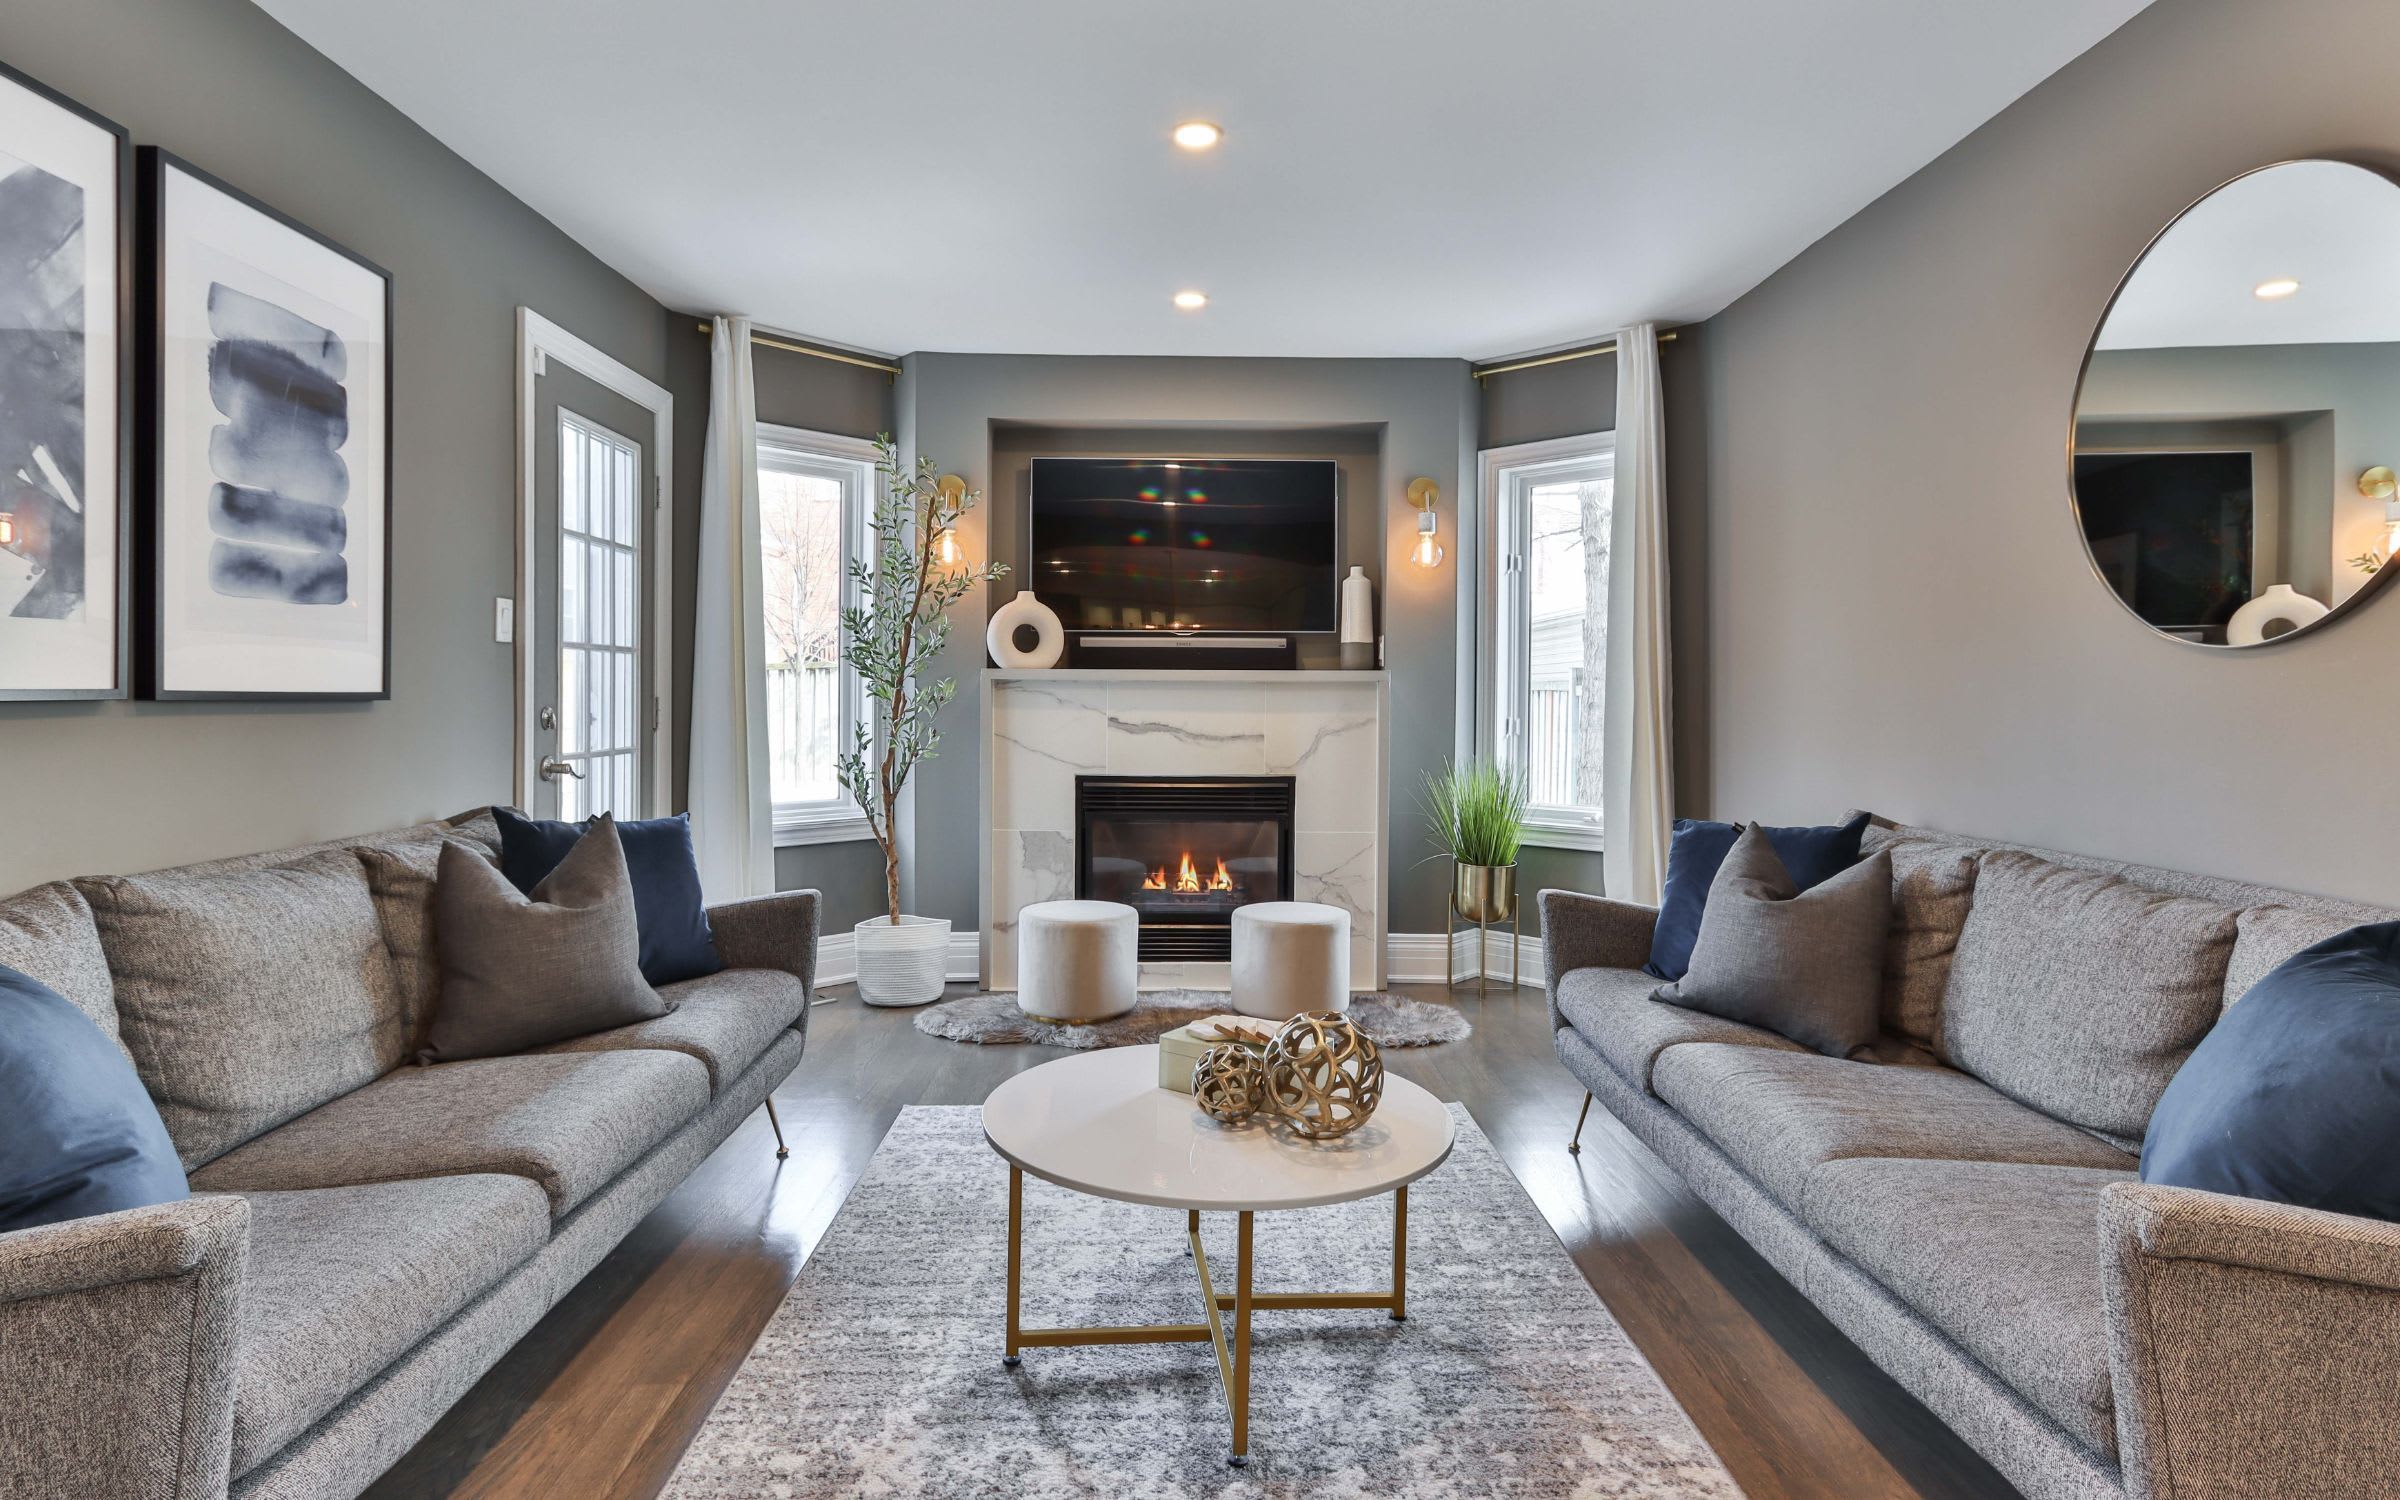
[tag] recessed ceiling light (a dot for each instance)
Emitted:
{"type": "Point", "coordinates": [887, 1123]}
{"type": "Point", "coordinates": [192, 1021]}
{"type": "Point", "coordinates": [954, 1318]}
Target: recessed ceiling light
{"type": "Point", "coordinates": [2275, 290]}
{"type": "Point", "coordinates": [1197, 135]}
{"type": "Point", "coordinates": [1191, 301]}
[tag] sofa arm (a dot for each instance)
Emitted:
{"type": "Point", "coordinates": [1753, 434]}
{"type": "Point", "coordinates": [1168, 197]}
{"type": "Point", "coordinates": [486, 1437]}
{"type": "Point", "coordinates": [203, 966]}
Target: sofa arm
{"type": "Point", "coordinates": [770, 932]}
{"type": "Point", "coordinates": [1590, 932]}
{"type": "Point", "coordinates": [116, 1352]}
{"type": "Point", "coordinates": [2254, 1347]}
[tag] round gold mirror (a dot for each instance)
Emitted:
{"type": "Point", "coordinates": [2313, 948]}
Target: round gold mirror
{"type": "Point", "coordinates": [2238, 416]}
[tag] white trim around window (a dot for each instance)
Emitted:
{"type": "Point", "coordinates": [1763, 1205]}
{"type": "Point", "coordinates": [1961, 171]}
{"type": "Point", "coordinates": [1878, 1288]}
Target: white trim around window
{"type": "Point", "coordinates": [1505, 712]}
{"type": "Point", "coordinates": [852, 461]}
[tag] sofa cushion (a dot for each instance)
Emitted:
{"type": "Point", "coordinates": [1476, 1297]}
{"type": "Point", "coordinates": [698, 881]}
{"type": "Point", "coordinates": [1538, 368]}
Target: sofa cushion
{"type": "Point", "coordinates": [569, 1123]}
{"type": "Point", "coordinates": [2002, 1257]}
{"type": "Point", "coordinates": [2081, 993]}
{"type": "Point", "coordinates": [2265, 936]}
{"type": "Point", "coordinates": [1811, 855]}
{"type": "Point", "coordinates": [1807, 964]}
{"type": "Point", "coordinates": [1933, 885]}
{"type": "Point", "coordinates": [1612, 1010]}
{"type": "Point", "coordinates": [80, 1137]}
{"type": "Point", "coordinates": [1781, 1115]}
{"type": "Point", "coordinates": [47, 933]}
{"type": "Point", "coordinates": [249, 996]}
{"type": "Point", "coordinates": [343, 1281]}
{"type": "Point", "coordinates": [726, 1020]}
{"type": "Point", "coordinates": [673, 924]}
{"type": "Point", "coordinates": [401, 875]}
{"type": "Point", "coordinates": [519, 971]}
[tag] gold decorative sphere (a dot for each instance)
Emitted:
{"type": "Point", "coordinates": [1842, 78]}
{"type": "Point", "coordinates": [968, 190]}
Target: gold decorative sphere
{"type": "Point", "coordinates": [1323, 1075]}
{"type": "Point", "coordinates": [1229, 1082]}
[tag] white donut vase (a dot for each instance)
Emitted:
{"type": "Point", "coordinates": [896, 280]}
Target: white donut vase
{"type": "Point", "coordinates": [1050, 637]}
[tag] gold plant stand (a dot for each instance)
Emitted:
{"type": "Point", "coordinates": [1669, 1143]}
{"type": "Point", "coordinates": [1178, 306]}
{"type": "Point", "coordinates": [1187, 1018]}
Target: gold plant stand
{"type": "Point", "coordinates": [1484, 894]}
{"type": "Point", "coordinates": [1232, 1347]}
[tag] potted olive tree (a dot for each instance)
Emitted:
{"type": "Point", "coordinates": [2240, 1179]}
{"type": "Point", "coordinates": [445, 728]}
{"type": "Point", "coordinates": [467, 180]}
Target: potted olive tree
{"type": "Point", "coordinates": [1476, 814]}
{"type": "Point", "coordinates": [899, 626]}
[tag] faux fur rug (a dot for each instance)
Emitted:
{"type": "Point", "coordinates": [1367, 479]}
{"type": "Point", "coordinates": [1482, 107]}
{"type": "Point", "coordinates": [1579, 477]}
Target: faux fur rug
{"type": "Point", "coordinates": [1390, 1020]}
{"type": "Point", "coordinates": [880, 1375]}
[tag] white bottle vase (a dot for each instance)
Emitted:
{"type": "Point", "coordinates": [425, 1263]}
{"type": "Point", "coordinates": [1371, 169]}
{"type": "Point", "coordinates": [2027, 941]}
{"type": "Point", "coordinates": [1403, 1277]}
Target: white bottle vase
{"type": "Point", "coordinates": [1050, 637]}
{"type": "Point", "coordinates": [903, 962]}
{"type": "Point", "coordinates": [1358, 620]}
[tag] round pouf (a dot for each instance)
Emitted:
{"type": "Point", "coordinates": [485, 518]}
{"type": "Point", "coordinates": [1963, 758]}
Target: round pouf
{"type": "Point", "coordinates": [1289, 958]}
{"type": "Point", "coordinates": [1077, 961]}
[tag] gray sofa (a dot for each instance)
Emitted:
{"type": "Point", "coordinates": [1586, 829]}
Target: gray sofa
{"type": "Point", "coordinates": [1966, 1208]}
{"type": "Point", "coordinates": [365, 1237]}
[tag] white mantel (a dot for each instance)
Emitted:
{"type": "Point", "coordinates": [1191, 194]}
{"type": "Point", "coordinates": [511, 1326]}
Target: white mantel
{"type": "Point", "coordinates": [1329, 731]}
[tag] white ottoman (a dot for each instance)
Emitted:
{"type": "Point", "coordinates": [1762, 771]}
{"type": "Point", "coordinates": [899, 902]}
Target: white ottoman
{"type": "Point", "coordinates": [1077, 960]}
{"type": "Point", "coordinates": [1289, 958]}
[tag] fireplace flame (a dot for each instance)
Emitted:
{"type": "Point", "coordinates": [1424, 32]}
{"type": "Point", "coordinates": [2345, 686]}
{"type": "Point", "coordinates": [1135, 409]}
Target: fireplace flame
{"type": "Point", "coordinates": [1188, 878]}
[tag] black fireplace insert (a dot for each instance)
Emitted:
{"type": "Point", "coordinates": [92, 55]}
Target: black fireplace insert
{"type": "Point", "coordinates": [1184, 851]}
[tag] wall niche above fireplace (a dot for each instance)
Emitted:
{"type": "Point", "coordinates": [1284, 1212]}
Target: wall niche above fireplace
{"type": "Point", "coordinates": [1184, 852]}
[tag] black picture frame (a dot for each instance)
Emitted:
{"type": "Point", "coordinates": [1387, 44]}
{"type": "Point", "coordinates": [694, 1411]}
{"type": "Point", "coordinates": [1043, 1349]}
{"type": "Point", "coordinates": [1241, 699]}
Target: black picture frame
{"type": "Point", "coordinates": [121, 506]}
{"type": "Point", "coordinates": [152, 311]}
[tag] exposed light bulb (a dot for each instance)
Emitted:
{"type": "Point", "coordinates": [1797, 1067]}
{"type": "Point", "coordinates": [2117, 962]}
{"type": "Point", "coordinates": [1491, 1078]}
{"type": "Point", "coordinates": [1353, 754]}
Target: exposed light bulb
{"type": "Point", "coordinates": [1428, 551]}
{"type": "Point", "coordinates": [8, 529]}
{"type": "Point", "coordinates": [1197, 135]}
{"type": "Point", "coordinates": [1191, 301]}
{"type": "Point", "coordinates": [946, 549]}
{"type": "Point", "coordinates": [2276, 289]}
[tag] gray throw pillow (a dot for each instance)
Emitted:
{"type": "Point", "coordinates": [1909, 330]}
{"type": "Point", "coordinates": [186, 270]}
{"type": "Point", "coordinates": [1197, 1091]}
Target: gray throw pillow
{"type": "Point", "coordinates": [520, 971]}
{"type": "Point", "coordinates": [1803, 964]}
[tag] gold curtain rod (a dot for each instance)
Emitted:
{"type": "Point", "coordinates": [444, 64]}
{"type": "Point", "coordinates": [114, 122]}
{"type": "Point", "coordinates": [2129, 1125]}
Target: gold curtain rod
{"type": "Point", "coordinates": [859, 360]}
{"type": "Point", "coordinates": [1559, 359]}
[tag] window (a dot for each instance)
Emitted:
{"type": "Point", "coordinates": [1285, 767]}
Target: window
{"type": "Point", "coordinates": [1545, 651]}
{"type": "Point", "coordinates": [814, 492]}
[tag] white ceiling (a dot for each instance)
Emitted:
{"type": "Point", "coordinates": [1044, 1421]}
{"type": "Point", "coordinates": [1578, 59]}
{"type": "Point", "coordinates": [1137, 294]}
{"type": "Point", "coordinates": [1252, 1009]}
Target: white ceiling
{"type": "Point", "coordinates": [2327, 225]}
{"type": "Point", "coordinates": [1398, 177]}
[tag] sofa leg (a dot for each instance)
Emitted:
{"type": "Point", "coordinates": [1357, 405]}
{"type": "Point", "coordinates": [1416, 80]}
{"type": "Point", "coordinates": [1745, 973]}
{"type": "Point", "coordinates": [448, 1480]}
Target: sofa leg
{"type": "Point", "coordinates": [1575, 1146]}
{"type": "Point", "coordinates": [782, 1151]}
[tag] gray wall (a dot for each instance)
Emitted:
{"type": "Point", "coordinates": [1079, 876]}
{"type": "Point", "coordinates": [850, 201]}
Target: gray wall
{"type": "Point", "coordinates": [793, 390]}
{"type": "Point", "coordinates": [125, 786]}
{"type": "Point", "coordinates": [1426, 411]}
{"type": "Point", "coordinates": [1899, 615]}
{"type": "Point", "coordinates": [1552, 401]}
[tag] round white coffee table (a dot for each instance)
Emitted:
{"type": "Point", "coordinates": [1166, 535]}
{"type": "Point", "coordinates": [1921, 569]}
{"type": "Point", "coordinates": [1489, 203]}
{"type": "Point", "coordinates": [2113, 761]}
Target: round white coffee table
{"type": "Point", "coordinates": [1098, 1123]}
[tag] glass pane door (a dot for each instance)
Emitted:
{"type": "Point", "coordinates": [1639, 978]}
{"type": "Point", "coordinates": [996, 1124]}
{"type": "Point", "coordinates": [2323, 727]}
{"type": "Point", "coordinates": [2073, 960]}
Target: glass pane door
{"type": "Point", "coordinates": [599, 620]}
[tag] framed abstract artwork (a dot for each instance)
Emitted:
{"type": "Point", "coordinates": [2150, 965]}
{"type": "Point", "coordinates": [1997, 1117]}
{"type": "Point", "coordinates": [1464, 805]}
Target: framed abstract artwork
{"type": "Point", "coordinates": [267, 527]}
{"type": "Point", "coordinates": [66, 201]}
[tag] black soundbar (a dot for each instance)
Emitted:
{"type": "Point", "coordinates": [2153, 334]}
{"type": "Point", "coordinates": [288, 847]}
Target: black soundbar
{"type": "Point", "coordinates": [1160, 651]}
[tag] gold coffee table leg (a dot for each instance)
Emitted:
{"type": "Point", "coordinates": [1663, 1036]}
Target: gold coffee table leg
{"type": "Point", "coordinates": [1016, 1254]}
{"type": "Point", "coordinates": [1400, 1256]}
{"type": "Point", "coordinates": [1241, 1348]}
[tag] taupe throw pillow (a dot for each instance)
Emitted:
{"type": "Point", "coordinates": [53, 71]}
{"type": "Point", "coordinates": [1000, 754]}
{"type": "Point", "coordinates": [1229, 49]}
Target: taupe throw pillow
{"type": "Point", "coordinates": [1803, 964]}
{"type": "Point", "coordinates": [521, 971]}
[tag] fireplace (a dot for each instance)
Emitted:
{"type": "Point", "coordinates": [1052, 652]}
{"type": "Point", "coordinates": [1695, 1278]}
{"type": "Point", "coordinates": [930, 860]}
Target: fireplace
{"type": "Point", "coordinates": [1184, 851]}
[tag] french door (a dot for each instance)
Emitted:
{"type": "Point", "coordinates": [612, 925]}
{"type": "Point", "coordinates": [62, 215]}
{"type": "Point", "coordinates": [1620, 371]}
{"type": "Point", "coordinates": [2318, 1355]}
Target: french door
{"type": "Point", "coordinates": [596, 726]}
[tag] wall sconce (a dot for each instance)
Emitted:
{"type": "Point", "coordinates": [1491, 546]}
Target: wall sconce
{"type": "Point", "coordinates": [1422, 493]}
{"type": "Point", "coordinates": [2380, 483]}
{"type": "Point", "coordinates": [946, 549]}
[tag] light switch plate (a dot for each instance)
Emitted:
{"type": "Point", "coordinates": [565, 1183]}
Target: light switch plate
{"type": "Point", "coordinates": [504, 620]}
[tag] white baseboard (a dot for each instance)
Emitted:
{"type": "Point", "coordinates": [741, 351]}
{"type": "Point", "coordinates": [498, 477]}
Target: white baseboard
{"type": "Point", "coordinates": [837, 957]}
{"type": "Point", "coordinates": [1410, 958]}
{"type": "Point", "coordinates": [1419, 958]}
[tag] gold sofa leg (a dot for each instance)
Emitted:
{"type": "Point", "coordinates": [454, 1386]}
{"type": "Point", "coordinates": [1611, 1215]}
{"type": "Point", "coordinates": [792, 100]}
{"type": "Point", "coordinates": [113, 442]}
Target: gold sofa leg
{"type": "Point", "coordinates": [1575, 1146]}
{"type": "Point", "coordinates": [781, 1150]}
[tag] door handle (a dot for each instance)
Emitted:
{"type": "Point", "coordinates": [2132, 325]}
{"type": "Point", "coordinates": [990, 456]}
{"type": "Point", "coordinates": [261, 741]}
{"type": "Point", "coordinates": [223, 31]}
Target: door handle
{"type": "Point", "coordinates": [552, 768]}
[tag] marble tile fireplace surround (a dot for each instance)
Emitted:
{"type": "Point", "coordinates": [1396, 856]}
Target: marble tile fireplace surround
{"type": "Point", "coordinates": [1329, 732]}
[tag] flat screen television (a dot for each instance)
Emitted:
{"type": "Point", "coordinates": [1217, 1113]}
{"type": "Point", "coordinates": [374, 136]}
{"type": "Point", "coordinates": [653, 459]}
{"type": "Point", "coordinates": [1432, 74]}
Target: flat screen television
{"type": "Point", "coordinates": [1190, 545]}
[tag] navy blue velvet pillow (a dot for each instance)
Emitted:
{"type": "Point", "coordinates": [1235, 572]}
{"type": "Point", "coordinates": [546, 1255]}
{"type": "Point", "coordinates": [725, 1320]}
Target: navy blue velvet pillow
{"type": "Point", "coordinates": [1811, 855]}
{"type": "Point", "coordinates": [676, 942]}
{"type": "Point", "coordinates": [81, 1136]}
{"type": "Point", "coordinates": [2294, 1097]}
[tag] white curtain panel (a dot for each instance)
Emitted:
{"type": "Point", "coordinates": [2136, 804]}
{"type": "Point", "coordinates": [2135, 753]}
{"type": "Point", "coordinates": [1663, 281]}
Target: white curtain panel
{"type": "Point", "coordinates": [732, 807]}
{"type": "Point", "coordinates": [1640, 792]}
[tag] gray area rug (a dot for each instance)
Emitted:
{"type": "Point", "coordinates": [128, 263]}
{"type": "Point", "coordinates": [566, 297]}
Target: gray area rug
{"type": "Point", "coordinates": [1391, 1020]}
{"type": "Point", "coordinates": [880, 1375]}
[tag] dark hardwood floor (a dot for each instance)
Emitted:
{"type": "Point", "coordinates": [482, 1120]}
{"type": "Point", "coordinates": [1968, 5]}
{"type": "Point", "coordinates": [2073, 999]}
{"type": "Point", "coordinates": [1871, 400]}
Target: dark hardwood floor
{"type": "Point", "coordinates": [602, 1397]}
